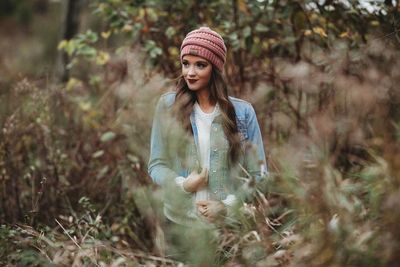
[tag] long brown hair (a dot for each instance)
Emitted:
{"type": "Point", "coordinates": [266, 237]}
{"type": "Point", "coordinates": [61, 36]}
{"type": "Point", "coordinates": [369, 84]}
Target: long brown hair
{"type": "Point", "coordinates": [185, 100]}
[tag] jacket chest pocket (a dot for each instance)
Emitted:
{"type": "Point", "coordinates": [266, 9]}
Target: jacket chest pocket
{"type": "Point", "coordinates": [242, 128]}
{"type": "Point", "coordinates": [220, 135]}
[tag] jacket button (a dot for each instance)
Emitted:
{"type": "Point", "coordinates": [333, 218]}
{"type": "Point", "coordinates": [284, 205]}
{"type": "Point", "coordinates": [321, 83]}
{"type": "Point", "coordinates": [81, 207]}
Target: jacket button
{"type": "Point", "coordinates": [215, 129]}
{"type": "Point", "coordinates": [215, 149]}
{"type": "Point", "coordinates": [214, 171]}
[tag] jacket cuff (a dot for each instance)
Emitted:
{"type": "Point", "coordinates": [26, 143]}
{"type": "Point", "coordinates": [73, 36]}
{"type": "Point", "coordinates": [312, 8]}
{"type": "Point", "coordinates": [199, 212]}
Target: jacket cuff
{"type": "Point", "coordinates": [229, 201]}
{"type": "Point", "coordinates": [179, 182]}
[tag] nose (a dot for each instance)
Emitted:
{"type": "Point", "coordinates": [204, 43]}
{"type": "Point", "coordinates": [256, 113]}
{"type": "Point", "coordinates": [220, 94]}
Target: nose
{"type": "Point", "coordinates": [191, 71]}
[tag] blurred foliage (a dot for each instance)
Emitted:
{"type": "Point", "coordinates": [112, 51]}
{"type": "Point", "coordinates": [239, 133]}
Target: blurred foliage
{"type": "Point", "coordinates": [256, 32]}
{"type": "Point", "coordinates": [27, 50]}
{"type": "Point", "coordinates": [323, 78]}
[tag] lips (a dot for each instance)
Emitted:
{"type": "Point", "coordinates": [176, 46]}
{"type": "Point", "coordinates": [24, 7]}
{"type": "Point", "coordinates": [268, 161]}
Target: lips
{"type": "Point", "coordinates": [191, 80]}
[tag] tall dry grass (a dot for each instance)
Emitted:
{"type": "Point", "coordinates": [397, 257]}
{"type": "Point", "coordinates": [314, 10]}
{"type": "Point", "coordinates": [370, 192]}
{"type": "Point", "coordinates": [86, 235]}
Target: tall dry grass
{"type": "Point", "coordinates": [75, 192]}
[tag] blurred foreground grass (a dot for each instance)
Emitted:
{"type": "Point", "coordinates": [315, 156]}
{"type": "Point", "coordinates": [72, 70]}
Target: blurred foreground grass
{"type": "Point", "coordinates": [74, 188]}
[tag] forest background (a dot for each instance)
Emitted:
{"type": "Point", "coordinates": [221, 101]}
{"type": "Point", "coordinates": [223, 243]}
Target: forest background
{"type": "Point", "coordinates": [79, 82]}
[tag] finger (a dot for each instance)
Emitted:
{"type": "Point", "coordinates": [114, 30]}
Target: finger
{"type": "Point", "coordinates": [204, 172]}
{"type": "Point", "coordinates": [201, 202]}
{"type": "Point", "coordinates": [202, 209]}
{"type": "Point", "coordinates": [203, 213]}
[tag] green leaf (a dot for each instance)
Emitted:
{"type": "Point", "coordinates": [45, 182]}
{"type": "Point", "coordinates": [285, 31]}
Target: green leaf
{"type": "Point", "coordinates": [108, 136]}
{"type": "Point", "coordinates": [155, 52]}
{"type": "Point", "coordinates": [233, 36]}
{"type": "Point", "coordinates": [91, 36]}
{"type": "Point", "coordinates": [246, 31]}
{"type": "Point", "coordinates": [102, 172]}
{"type": "Point", "coordinates": [71, 47]}
{"type": "Point", "coordinates": [170, 32]}
{"type": "Point", "coordinates": [87, 51]}
{"type": "Point", "coordinates": [261, 28]}
{"type": "Point", "coordinates": [98, 154]}
{"type": "Point", "coordinates": [150, 44]}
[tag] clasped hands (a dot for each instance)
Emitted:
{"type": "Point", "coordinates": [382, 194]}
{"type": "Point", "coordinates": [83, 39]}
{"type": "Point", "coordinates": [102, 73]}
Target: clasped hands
{"type": "Point", "coordinates": [208, 209]}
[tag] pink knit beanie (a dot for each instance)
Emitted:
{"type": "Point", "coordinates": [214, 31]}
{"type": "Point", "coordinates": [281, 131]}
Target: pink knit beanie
{"type": "Point", "coordinates": [205, 43]}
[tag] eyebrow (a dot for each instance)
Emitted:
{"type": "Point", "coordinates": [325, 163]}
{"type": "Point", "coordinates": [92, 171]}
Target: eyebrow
{"type": "Point", "coordinates": [199, 61]}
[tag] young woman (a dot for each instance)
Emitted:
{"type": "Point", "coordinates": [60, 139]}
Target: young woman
{"type": "Point", "coordinates": [202, 139]}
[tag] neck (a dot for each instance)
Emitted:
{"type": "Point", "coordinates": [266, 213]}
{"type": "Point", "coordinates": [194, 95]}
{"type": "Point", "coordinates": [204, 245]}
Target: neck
{"type": "Point", "coordinates": [203, 98]}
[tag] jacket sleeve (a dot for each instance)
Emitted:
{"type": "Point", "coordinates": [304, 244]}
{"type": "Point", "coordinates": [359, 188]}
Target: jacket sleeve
{"type": "Point", "coordinates": [159, 166]}
{"type": "Point", "coordinates": [254, 151]}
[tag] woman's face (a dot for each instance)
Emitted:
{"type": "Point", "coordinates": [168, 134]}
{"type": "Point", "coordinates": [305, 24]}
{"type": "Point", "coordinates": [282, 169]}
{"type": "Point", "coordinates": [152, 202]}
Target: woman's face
{"type": "Point", "coordinates": [196, 71]}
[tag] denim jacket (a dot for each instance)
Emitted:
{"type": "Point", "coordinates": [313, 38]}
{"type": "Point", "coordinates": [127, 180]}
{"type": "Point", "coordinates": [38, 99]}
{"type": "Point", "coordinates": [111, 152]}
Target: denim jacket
{"type": "Point", "coordinates": [174, 153]}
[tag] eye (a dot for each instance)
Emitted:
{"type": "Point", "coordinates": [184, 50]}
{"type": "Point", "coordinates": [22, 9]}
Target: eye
{"type": "Point", "coordinates": [185, 64]}
{"type": "Point", "coordinates": [201, 65]}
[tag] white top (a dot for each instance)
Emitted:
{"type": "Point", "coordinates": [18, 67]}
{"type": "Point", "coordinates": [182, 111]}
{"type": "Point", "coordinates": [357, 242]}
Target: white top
{"type": "Point", "coordinates": [203, 123]}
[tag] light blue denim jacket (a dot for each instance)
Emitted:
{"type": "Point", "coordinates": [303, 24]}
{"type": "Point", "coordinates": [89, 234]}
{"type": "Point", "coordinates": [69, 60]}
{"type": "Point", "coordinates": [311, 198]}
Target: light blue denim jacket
{"type": "Point", "coordinates": [174, 153]}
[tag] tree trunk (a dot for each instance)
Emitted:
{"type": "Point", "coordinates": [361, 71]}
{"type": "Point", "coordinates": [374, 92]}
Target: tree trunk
{"type": "Point", "coordinates": [69, 30]}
